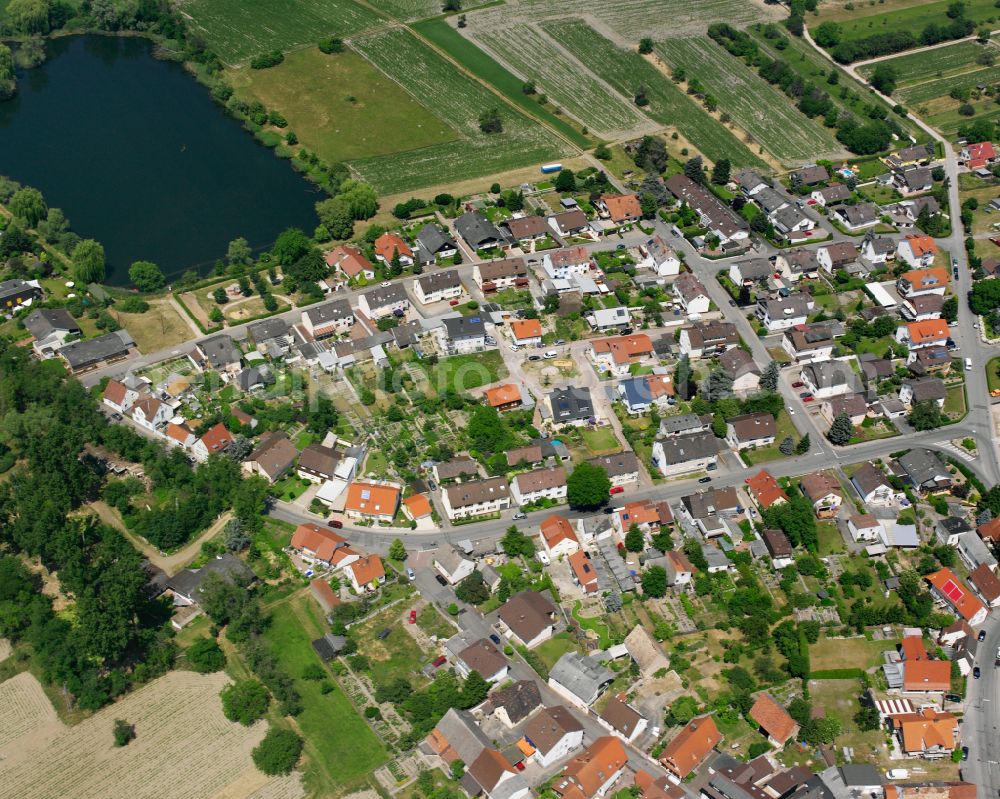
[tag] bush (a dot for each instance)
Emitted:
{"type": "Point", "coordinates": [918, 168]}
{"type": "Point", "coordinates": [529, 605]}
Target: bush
{"type": "Point", "coordinates": [245, 701]}
{"type": "Point", "coordinates": [205, 656]}
{"type": "Point", "coordinates": [123, 732]}
{"type": "Point", "coordinates": [266, 60]}
{"type": "Point", "coordinates": [278, 752]}
{"type": "Point", "coordinates": [132, 305]}
{"type": "Point", "coordinates": [331, 46]}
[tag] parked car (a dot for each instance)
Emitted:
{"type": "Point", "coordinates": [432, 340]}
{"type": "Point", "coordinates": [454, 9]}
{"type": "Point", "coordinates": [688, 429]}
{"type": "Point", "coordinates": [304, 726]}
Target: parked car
{"type": "Point", "coordinates": [804, 394]}
{"type": "Point", "coordinates": [453, 303]}
{"type": "Point", "coordinates": [495, 638]}
{"type": "Point", "coordinates": [520, 515]}
{"type": "Point", "coordinates": [617, 490]}
{"type": "Point", "coordinates": [336, 524]}
{"type": "Point", "coordinates": [981, 636]}
{"type": "Point", "coordinates": [534, 357]}
{"type": "Point", "coordinates": [116, 416]}
{"type": "Point", "coordinates": [798, 384]}
{"type": "Point", "coordinates": [807, 398]}
{"type": "Point", "coordinates": [732, 303]}
{"type": "Point", "coordinates": [965, 753]}
{"type": "Point", "coordinates": [384, 634]}
{"type": "Point", "coordinates": [976, 672]}
{"type": "Point", "coordinates": [410, 574]}
{"type": "Point", "coordinates": [439, 661]}
{"type": "Point", "coordinates": [559, 341]}
{"type": "Point", "coordinates": [705, 480]}
{"type": "Point", "coordinates": [432, 485]}
{"type": "Point", "coordinates": [608, 510]}
{"type": "Point", "coordinates": [440, 579]}
{"type": "Point", "coordinates": [549, 354]}
{"type": "Point", "coordinates": [952, 698]}
{"type": "Point", "coordinates": [413, 616]}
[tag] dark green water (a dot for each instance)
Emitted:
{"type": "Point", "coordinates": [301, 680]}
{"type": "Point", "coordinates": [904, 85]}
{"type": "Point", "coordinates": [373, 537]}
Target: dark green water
{"type": "Point", "coordinates": [140, 158]}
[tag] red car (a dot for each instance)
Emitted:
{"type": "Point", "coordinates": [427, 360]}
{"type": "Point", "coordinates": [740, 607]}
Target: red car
{"type": "Point", "coordinates": [617, 490]}
{"type": "Point", "coordinates": [453, 302]}
{"type": "Point", "coordinates": [810, 398]}
{"type": "Point", "coordinates": [439, 661]}
{"type": "Point", "coordinates": [413, 617]}
{"type": "Point", "coordinates": [798, 384]}
{"type": "Point", "coordinates": [335, 523]}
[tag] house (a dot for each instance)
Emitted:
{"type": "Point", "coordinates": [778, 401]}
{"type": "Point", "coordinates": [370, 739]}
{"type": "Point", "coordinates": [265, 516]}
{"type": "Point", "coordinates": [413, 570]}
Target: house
{"type": "Point", "coordinates": [548, 483]}
{"type": "Point", "coordinates": [810, 176]}
{"type": "Point", "coordinates": [691, 293]}
{"type": "Point", "coordinates": [593, 772]}
{"type": "Point", "coordinates": [915, 180]}
{"type": "Point", "coordinates": [837, 255]}
{"type": "Point", "coordinates": [571, 406]}
{"type": "Point", "coordinates": [579, 679]}
{"type": "Point", "coordinates": [121, 396]}
{"type": "Point", "coordinates": [500, 274]}
{"type": "Point", "coordinates": [949, 529]}
{"type": "Point", "coordinates": [769, 201]}
{"type": "Point", "coordinates": [558, 537]}
{"type": "Point", "coordinates": [679, 569]}
{"type": "Point", "coordinates": [778, 547]}
{"type": "Point", "coordinates": [764, 490]}
{"type": "Point", "coordinates": [910, 156]}
{"type": "Point", "coordinates": [566, 263]}
{"type": "Point", "coordinates": [833, 194]}
{"type": "Point", "coordinates": [990, 531]}
{"type": "Point", "coordinates": [528, 618]}
{"type": "Point", "coordinates": [660, 257]}
{"type": "Point", "coordinates": [464, 334]}
{"type": "Point", "coordinates": [530, 455]}
{"type": "Point", "coordinates": [874, 370]}
{"type": "Point", "coordinates": [927, 733]}
{"type": "Point", "coordinates": [213, 441]}
{"type": "Point", "coordinates": [504, 397]}
{"type": "Point", "coordinates": [324, 595]}
{"type": "Point", "coordinates": [789, 221]}
{"type": "Point", "coordinates": [50, 327]}
{"type": "Point", "coordinates": [688, 749]}
{"type": "Point", "coordinates": [717, 560]}
{"type": "Point", "coordinates": [781, 313]}
{"type": "Point", "coordinates": [622, 720]}
{"type": "Point", "coordinates": [480, 656]}
{"type": "Point", "coordinates": [621, 209]}
{"type": "Point", "coordinates": [433, 243]}
{"type": "Point", "coordinates": [478, 232]}
{"type": "Point", "coordinates": [186, 585]}
{"type": "Point", "coordinates": [273, 457]}
{"type": "Point", "coordinates": [750, 430]}
{"type": "Point", "coordinates": [917, 249]}
{"type": "Point", "coordinates": [823, 490]}
{"type": "Point", "coordinates": [375, 501]}
{"type": "Point", "coordinates": [318, 463]}
{"type": "Point", "coordinates": [864, 527]}
{"type": "Point", "coordinates": [929, 333]}
{"type": "Point", "coordinates": [384, 300]}
{"type": "Point", "coordinates": [317, 544]}
{"type": "Point", "coordinates": [923, 389]}
{"type": "Point", "coordinates": [218, 352]}
{"type": "Point", "coordinates": [350, 262]}
{"type": "Point", "coordinates": [366, 574]}
{"type": "Point", "coordinates": [606, 320]}
{"type": "Point", "coordinates": [618, 354]}
{"type": "Point", "coordinates": [569, 223]}
{"type": "Point", "coordinates": [949, 591]}
{"type": "Point", "coordinates": [553, 733]}
{"type": "Point", "coordinates": [492, 775]}
{"type": "Point", "coordinates": [322, 321]}
{"type": "Point", "coordinates": [149, 413]}
{"type": "Point", "coordinates": [180, 435]}
{"type": "Point", "coordinates": [457, 737]}
{"type": "Point", "coordinates": [438, 286]}
{"type": "Point", "coordinates": [451, 563]}
{"type": "Point", "coordinates": [773, 720]}
{"type": "Point", "coordinates": [646, 514]}
{"type": "Point", "coordinates": [827, 378]}
{"type": "Point", "coordinates": [682, 425]}
{"type": "Point", "coordinates": [980, 151]}
{"type": "Point", "coordinates": [639, 394]}
{"type": "Point", "coordinates": [514, 703]}
{"type": "Point", "coordinates": [584, 574]}
{"type": "Point", "coordinates": [918, 282]}
{"type": "Point", "coordinates": [83, 355]}
{"type": "Point", "coordinates": [986, 584]}
{"type": "Point", "coordinates": [417, 507]}
{"type": "Point", "coordinates": [877, 250]}
{"type": "Point", "coordinates": [685, 454]}
{"type": "Point", "coordinates": [924, 470]}
{"type": "Point", "coordinates": [853, 405]}
{"type": "Point", "coordinates": [254, 377]}
{"type": "Point", "coordinates": [750, 182]}
{"type": "Point", "coordinates": [974, 553]}
{"type": "Point", "coordinates": [721, 222]}
{"type": "Point", "coordinates": [918, 309]}
{"type": "Point", "coordinates": [748, 273]}
{"type": "Point", "coordinates": [460, 469]}
{"type": "Point", "coordinates": [622, 468]}
{"type": "Point", "coordinates": [527, 229]}
{"type": "Point", "coordinates": [526, 332]}
{"type": "Point", "coordinates": [475, 498]}
{"type": "Point", "coordinates": [16, 293]}
{"type": "Point", "coordinates": [706, 338]}
{"type": "Point", "coordinates": [390, 246]}
{"type": "Point", "coordinates": [808, 343]}
{"type": "Point", "coordinates": [857, 217]}
{"type": "Point", "coordinates": [794, 264]}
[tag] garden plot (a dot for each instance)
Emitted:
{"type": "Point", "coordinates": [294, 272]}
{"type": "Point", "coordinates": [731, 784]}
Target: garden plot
{"type": "Point", "coordinates": [932, 89]}
{"type": "Point", "coordinates": [564, 79]}
{"type": "Point", "coordinates": [182, 741]}
{"type": "Point", "coordinates": [237, 30]}
{"type": "Point", "coordinates": [627, 71]}
{"type": "Point", "coordinates": [940, 62]}
{"type": "Point", "coordinates": [755, 105]}
{"type": "Point", "coordinates": [456, 98]}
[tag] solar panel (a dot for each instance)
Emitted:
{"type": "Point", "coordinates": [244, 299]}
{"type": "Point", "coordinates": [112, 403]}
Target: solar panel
{"type": "Point", "coordinates": [952, 591]}
{"type": "Point", "coordinates": [366, 494]}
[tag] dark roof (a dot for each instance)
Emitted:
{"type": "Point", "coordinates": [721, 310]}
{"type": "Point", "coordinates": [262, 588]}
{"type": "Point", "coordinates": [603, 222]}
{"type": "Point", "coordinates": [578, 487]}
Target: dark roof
{"type": "Point", "coordinates": [46, 321]}
{"type": "Point", "coordinates": [519, 699]}
{"type": "Point", "coordinates": [433, 240]}
{"type": "Point", "coordinates": [219, 351]}
{"type": "Point", "coordinates": [439, 280]}
{"type": "Point", "coordinates": [329, 312]}
{"type": "Point", "coordinates": [922, 466]}
{"type": "Point", "coordinates": [571, 404]}
{"type": "Point", "coordinates": [381, 296]}
{"type": "Point", "coordinates": [477, 230]}
{"type": "Point", "coordinates": [268, 328]}
{"type": "Point", "coordinates": [15, 287]}
{"type": "Point", "coordinates": [465, 327]}
{"type": "Point", "coordinates": [188, 582]}
{"type": "Point", "coordinates": [329, 645]}
{"type": "Point", "coordinates": [777, 543]}
{"type": "Point", "coordinates": [619, 464]}
{"type": "Point", "coordinates": [527, 614]}
{"type": "Point", "coordinates": [811, 175]}
{"type": "Point", "coordinates": [86, 353]}
{"type": "Point", "coordinates": [694, 446]}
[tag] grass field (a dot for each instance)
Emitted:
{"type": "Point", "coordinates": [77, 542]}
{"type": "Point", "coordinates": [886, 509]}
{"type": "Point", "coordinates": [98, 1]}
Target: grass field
{"type": "Point", "coordinates": [755, 105]}
{"type": "Point", "coordinates": [465, 372]}
{"type": "Point", "coordinates": [847, 653]}
{"type": "Point", "coordinates": [626, 71]}
{"type": "Point", "coordinates": [458, 99]}
{"type": "Point", "coordinates": [157, 328]}
{"type": "Point", "coordinates": [398, 655]}
{"type": "Point", "coordinates": [341, 107]}
{"type": "Point", "coordinates": [918, 67]}
{"type": "Point", "coordinates": [600, 440]}
{"type": "Point", "coordinates": [237, 30]}
{"type": "Point", "coordinates": [897, 15]}
{"type": "Point", "coordinates": [563, 79]}
{"type": "Point", "coordinates": [409, 10]}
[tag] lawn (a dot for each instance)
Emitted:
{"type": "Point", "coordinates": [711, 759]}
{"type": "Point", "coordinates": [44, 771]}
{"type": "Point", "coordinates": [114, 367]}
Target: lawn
{"type": "Point", "coordinates": [342, 748]}
{"type": "Point", "coordinates": [601, 440]}
{"type": "Point", "coordinates": [161, 326]}
{"type": "Point", "coordinates": [397, 655]}
{"type": "Point", "coordinates": [784, 429]}
{"type": "Point", "coordinates": [839, 699]}
{"type": "Point", "coordinates": [600, 628]}
{"type": "Point", "coordinates": [558, 645]}
{"type": "Point", "coordinates": [919, 67]}
{"type": "Point", "coordinates": [466, 372]}
{"type": "Point", "coordinates": [847, 653]}
{"type": "Point", "coordinates": [432, 623]}
{"type": "Point", "coordinates": [459, 100]}
{"type": "Point", "coordinates": [625, 70]}
{"type": "Point", "coordinates": [954, 402]}
{"type": "Point", "coordinates": [341, 107]}
{"type": "Point", "coordinates": [993, 374]}
{"type": "Point", "coordinates": [237, 30]}
{"type": "Point", "coordinates": [830, 539]}
{"type": "Point", "coordinates": [783, 130]}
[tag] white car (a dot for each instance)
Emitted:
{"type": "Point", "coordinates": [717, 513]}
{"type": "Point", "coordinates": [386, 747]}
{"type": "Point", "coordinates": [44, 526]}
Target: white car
{"type": "Point", "coordinates": [550, 354]}
{"type": "Point", "coordinates": [968, 364]}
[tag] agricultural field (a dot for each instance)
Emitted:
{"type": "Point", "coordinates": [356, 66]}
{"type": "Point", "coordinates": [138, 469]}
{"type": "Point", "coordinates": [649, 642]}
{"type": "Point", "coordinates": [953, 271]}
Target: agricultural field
{"type": "Point", "coordinates": [566, 82]}
{"type": "Point", "coordinates": [25, 712]}
{"type": "Point", "coordinates": [340, 106]}
{"type": "Point", "coordinates": [182, 740]}
{"type": "Point", "coordinates": [759, 108]}
{"type": "Point", "coordinates": [410, 10]}
{"type": "Point", "coordinates": [896, 15]}
{"type": "Point", "coordinates": [941, 62]}
{"type": "Point", "coordinates": [454, 97]}
{"type": "Point", "coordinates": [237, 30]}
{"type": "Point", "coordinates": [668, 105]}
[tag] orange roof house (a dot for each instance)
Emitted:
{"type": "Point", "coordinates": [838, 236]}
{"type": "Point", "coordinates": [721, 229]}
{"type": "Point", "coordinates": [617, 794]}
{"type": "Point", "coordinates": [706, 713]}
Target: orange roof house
{"type": "Point", "coordinates": [990, 531]}
{"type": "Point", "coordinates": [981, 151]}
{"type": "Point", "coordinates": [918, 281]}
{"type": "Point", "coordinates": [180, 433]}
{"type": "Point", "coordinates": [921, 244]}
{"type": "Point", "coordinates": [371, 500]}
{"type": "Point", "coordinates": [913, 648]}
{"type": "Point", "coordinates": [690, 746]}
{"type": "Point", "coordinates": [623, 349]}
{"type": "Point", "coordinates": [645, 514]}
{"type": "Point", "coordinates": [764, 490]}
{"type": "Point", "coordinates": [927, 675]}
{"type": "Point", "coordinates": [525, 330]}
{"type": "Point", "coordinates": [923, 333]}
{"type": "Point", "coordinates": [947, 588]}
{"type": "Point", "coordinates": [555, 529]}
{"type": "Point", "coordinates": [417, 506]}
{"type": "Point", "coordinates": [773, 719]}
{"type": "Point", "coordinates": [622, 207]}
{"type": "Point", "coordinates": [367, 572]}
{"type": "Point", "coordinates": [389, 245]}
{"type": "Point", "coordinates": [115, 392]}
{"type": "Point", "coordinates": [350, 261]}
{"type": "Point", "coordinates": [660, 386]}
{"type": "Point", "coordinates": [217, 438]}
{"type": "Point", "coordinates": [926, 731]}
{"type": "Point", "coordinates": [503, 397]}
{"type": "Point", "coordinates": [316, 542]}
{"type": "Point", "coordinates": [592, 771]}
{"type": "Point", "coordinates": [583, 571]}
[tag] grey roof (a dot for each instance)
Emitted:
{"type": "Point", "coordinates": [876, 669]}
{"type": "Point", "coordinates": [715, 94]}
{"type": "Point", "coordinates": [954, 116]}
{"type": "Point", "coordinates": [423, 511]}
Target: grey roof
{"type": "Point", "coordinates": [329, 645]}
{"type": "Point", "coordinates": [917, 177]}
{"type": "Point", "coordinates": [459, 728]}
{"type": "Point", "coordinates": [439, 281]}
{"type": "Point", "coordinates": [45, 321]}
{"type": "Point", "coordinates": [737, 362]}
{"type": "Point", "coordinates": [694, 446]}
{"type": "Point", "coordinates": [826, 374]}
{"type": "Point", "coordinates": [706, 204]}
{"type": "Point", "coordinates": [684, 423]}
{"type": "Point", "coordinates": [812, 174]}
{"type": "Point", "coordinates": [861, 774]}
{"type": "Point", "coordinates": [432, 240]}
{"type": "Point", "coordinates": [923, 466]}
{"type": "Point", "coordinates": [788, 217]}
{"type": "Point", "coordinates": [801, 260]}
{"type": "Point", "coordinates": [835, 193]}
{"type": "Point", "coordinates": [86, 353]}
{"type": "Point", "coordinates": [617, 465]}
{"type": "Point", "coordinates": [755, 269]}
{"type": "Point", "coordinates": [582, 676]}
{"type": "Point", "coordinates": [477, 230]}
{"type": "Point", "coordinates": [254, 376]}
{"type": "Point", "coordinates": [329, 312]}
{"type": "Point", "coordinates": [457, 467]}
{"type": "Point", "coordinates": [748, 179]}
{"type": "Point", "coordinates": [926, 388]}
{"type": "Point", "coordinates": [268, 328]}
{"type": "Point", "coordinates": [382, 296]}
{"type": "Point", "coordinates": [220, 351]}
{"type": "Point", "coordinates": [868, 478]}
{"type": "Point", "coordinates": [188, 582]}
{"type": "Point", "coordinates": [571, 404]}
{"type": "Point", "coordinates": [769, 200]}
{"type": "Point", "coordinates": [460, 327]}
{"type": "Point", "coordinates": [881, 245]}
{"type": "Point", "coordinates": [11, 288]}
{"type": "Point", "coordinates": [783, 307]}
{"type": "Point", "coordinates": [715, 556]}
{"type": "Point", "coordinates": [860, 214]}
{"type": "Point", "coordinates": [519, 699]}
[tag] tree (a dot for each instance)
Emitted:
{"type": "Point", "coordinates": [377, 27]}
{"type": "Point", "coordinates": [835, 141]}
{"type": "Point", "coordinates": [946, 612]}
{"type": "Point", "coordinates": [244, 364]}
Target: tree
{"type": "Point", "coordinates": [475, 689]}
{"type": "Point", "coordinates": [220, 296]}
{"type": "Point", "coordinates": [719, 425]}
{"type": "Point", "coordinates": [949, 309]}
{"type": "Point", "coordinates": [88, 261]}
{"type": "Point", "coordinates": [565, 180]}
{"type": "Point", "coordinates": [29, 16]}
{"type": "Point", "coordinates": [29, 206]}
{"type": "Point", "coordinates": [290, 246]}
{"type": "Point", "coordinates": [205, 656]}
{"type": "Point", "coordinates": [803, 446]}
{"type": "Point", "coordinates": [146, 276]}
{"type": "Point", "coordinates": [683, 384]}
{"type": "Point", "coordinates": [645, 45]}
{"type": "Point", "coordinates": [331, 46]}
{"type": "Point", "coordinates": [787, 446]}
{"type": "Point", "coordinates": [769, 377]}
{"type": "Point", "coordinates": [450, 6]}
{"type": "Point", "coordinates": [718, 385]}
{"type": "Point", "coordinates": [720, 172]}
{"type": "Point", "coordinates": [654, 582]}
{"type": "Point", "coordinates": [841, 430]}
{"type": "Point", "coordinates": [587, 487]}
{"type": "Point", "coordinates": [473, 589]}
{"type": "Point", "coordinates": [884, 78]}
{"type": "Point", "coordinates": [234, 537]}
{"type": "Point", "coordinates": [651, 154]}
{"type": "Point", "coordinates": [8, 80]}
{"type": "Point", "coordinates": [602, 152]}
{"type": "Point", "coordinates": [123, 732]}
{"type": "Point", "coordinates": [516, 543]}
{"type": "Point", "coordinates": [457, 768]}
{"type": "Point", "coordinates": [397, 550]}
{"type": "Point", "coordinates": [245, 701]}
{"type": "Point", "coordinates": [926, 415]}
{"type": "Point", "coordinates": [693, 169]}
{"type": "Point", "coordinates": [239, 252]}
{"type": "Point", "coordinates": [635, 541]}
{"type": "Point", "coordinates": [278, 752]}
{"type": "Point", "coordinates": [490, 121]}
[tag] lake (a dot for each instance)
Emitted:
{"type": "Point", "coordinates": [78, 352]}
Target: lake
{"type": "Point", "coordinates": [141, 158]}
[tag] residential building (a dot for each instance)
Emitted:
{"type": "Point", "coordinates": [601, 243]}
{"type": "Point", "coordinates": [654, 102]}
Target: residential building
{"type": "Point", "coordinates": [797, 263]}
{"type": "Point", "coordinates": [571, 405]}
{"type": "Point", "coordinates": [689, 748]}
{"type": "Point", "coordinates": [680, 572]}
{"type": "Point", "coordinates": [708, 338]}
{"type": "Point", "coordinates": [691, 294]}
{"type": "Point", "coordinates": [149, 413]}
{"type": "Point", "coordinates": [713, 215]}
{"type": "Point", "coordinates": [917, 249]}
{"type": "Point", "coordinates": [684, 424]}
{"type": "Point", "coordinates": [501, 274]}
{"type": "Point", "coordinates": [827, 378]}
{"type": "Point", "coordinates": [857, 217]}
{"type": "Point", "coordinates": [213, 441]}
{"type": "Point", "coordinates": [548, 483]}
{"type": "Point", "coordinates": [646, 514]}
{"type": "Point", "coordinates": [16, 293]}
{"type": "Point", "coordinates": [526, 332]}
{"type": "Point", "coordinates": [318, 463]}
{"type": "Point", "coordinates": [864, 527]}
{"type": "Point", "coordinates": [833, 194]}
{"type": "Point", "coordinates": [451, 563]}
{"type": "Point", "coordinates": [922, 307]}
{"type": "Point", "coordinates": [837, 255]}
{"type": "Point", "coordinates": [350, 262]}
{"type": "Point", "coordinates": [438, 286]}
{"type": "Point", "coordinates": [778, 547]}
{"type": "Point", "coordinates": [622, 720]}
{"type": "Point", "coordinates": [986, 584]}
{"type": "Point", "coordinates": [566, 263]}
{"type": "Point", "coordinates": [457, 737]}
{"type": "Point", "coordinates": [328, 319]}
{"type": "Point", "coordinates": [618, 354]}
{"type": "Point", "coordinates": [558, 537]}
{"type": "Point", "coordinates": [750, 182]}
{"type": "Point", "coordinates": [685, 454]}
{"type": "Point", "coordinates": [853, 405]}
{"type": "Point", "coordinates": [121, 396]}
{"type": "Point", "coordinates": [180, 435]}
{"type": "Point", "coordinates": [475, 498]}
{"type": "Point", "coordinates": [594, 772]}
{"type": "Point", "coordinates": [504, 397]}
{"type": "Point", "coordinates": [433, 243]}
{"type": "Point", "coordinates": [924, 470]}
{"type": "Point", "coordinates": [606, 320]}
{"type": "Point", "coordinates": [748, 273]}
{"type": "Point", "coordinates": [480, 656]}
{"type": "Point", "coordinates": [493, 775]}
{"type": "Point", "coordinates": [384, 300]}
{"type": "Point", "coordinates": [781, 313]}
{"type": "Point", "coordinates": [317, 544]}
{"type": "Point", "coordinates": [878, 250]}
{"type": "Point", "coordinates": [218, 352]}
{"type": "Point", "coordinates": [621, 209]}
{"type": "Point", "coordinates": [823, 490]}
{"type": "Point", "coordinates": [739, 366]}
{"type": "Point", "coordinates": [980, 151]}
{"type": "Point", "coordinates": [478, 232]}
{"type": "Point", "coordinates": [913, 180]}
{"type": "Point", "coordinates": [580, 679]}
{"type": "Point", "coordinates": [553, 733]}
{"type": "Point", "coordinates": [375, 501]}
{"type": "Point", "coordinates": [527, 229]}
{"type": "Point", "coordinates": [808, 343]}
{"type": "Point", "coordinates": [390, 246]}
{"type": "Point", "coordinates": [750, 430]}
{"type": "Point", "coordinates": [920, 282]}
{"type": "Point", "coordinates": [464, 334]}
{"type": "Point", "coordinates": [622, 468]}
{"type": "Point", "coordinates": [923, 389]}
{"type": "Point", "coordinates": [639, 394]}
{"type": "Point", "coordinates": [50, 327]}
{"type": "Point", "coordinates": [974, 553]}
{"type": "Point", "coordinates": [810, 175]}
{"type": "Point", "coordinates": [764, 490]}
{"type": "Point", "coordinates": [928, 733]}
{"type": "Point", "coordinates": [584, 574]}
{"type": "Point", "coordinates": [366, 574]}
{"type": "Point", "coordinates": [83, 355]}
{"type": "Point", "coordinates": [528, 618]}
{"type": "Point", "coordinates": [457, 469]}
{"type": "Point", "coordinates": [417, 507]}
{"type": "Point", "coordinates": [660, 257]}
{"type": "Point", "coordinates": [274, 455]}
{"type": "Point", "coordinates": [514, 703]}
{"type": "Point", "coordinates": [773, 720]}
{"type": "Point", "coordinates": [873, 486]}
{"type": "Point", "coordinates": [949, 591]}
{"type": "Point", "coordinates": [570, 223]}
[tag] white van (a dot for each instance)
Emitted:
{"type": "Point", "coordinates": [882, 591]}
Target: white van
{"type": "Point", "coordinates": [897, 773]}
{"type": "Point", "coordinates": [550, 354]}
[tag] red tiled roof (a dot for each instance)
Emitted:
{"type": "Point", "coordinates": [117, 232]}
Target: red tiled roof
{"type": "Point", "coordinates": [773, 718]}
{"type": "Point", "coordinates": [765, 489]}
{"type": "Point", "coordinates": [388, 244]}
{"type": "Point", "coordinates": [691, 746]}
{"type": "Point", "coordinates": [955, 593]}
{"type": "Point", "coordinates": [217, 438]}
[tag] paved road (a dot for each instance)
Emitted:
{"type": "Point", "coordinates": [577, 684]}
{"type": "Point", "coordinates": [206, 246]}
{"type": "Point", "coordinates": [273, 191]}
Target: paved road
{"type": "Point", "coordinates": [979, 726]}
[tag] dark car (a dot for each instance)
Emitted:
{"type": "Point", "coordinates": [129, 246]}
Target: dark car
{"type": "Point", "coordinates": [804, 394]}
{"type": "Point", "coordinates": [534, 357]}
{"type": "Point", "coordinates": [952, 698]}
{"type": "Point", "coordinates": [798, 384]}
{"type": "Point", "coordinates": [608, 510]}
{"type": "Point", "coordinates": [335, 523]}
{"type": "Point", "coordinates": [975, 672]}
{"type": "Point", "coordinates": [732, 303]}
{"type": "Point", "coordinates": [705, 480]}
{"type": "Point", "coordinates": [495, 638]}
{"type": "Point", "coordinates": [965, 753]}
{"type": "Point", "coordinates": [981, 636]}
{"type": "Point", "coordinates": [440, 579]}
{"type": "Point", "coordinates": [384, 634]}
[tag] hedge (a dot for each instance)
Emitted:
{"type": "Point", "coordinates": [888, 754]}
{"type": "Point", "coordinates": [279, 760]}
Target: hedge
{"type": "Point", "coordinates": [836, 674]}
